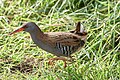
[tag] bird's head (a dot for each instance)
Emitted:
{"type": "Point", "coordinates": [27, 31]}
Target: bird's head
{"type": "Point", "coordinates": [28, 27]}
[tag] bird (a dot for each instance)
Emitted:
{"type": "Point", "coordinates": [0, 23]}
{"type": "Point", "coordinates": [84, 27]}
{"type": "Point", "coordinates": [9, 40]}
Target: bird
{"type": "Point", "coordinates": [60, 44]}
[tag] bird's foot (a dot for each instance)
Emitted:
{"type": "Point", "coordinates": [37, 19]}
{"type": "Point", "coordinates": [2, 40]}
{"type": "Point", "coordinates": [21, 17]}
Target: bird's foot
{"type": "Point", "coordinates": [71, 59]}
{"type": "Point", "coordinates": [51, 61]}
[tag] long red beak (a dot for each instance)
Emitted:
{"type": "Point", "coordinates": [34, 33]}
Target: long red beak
{"type": "Point", "coordinates": [18, 30]}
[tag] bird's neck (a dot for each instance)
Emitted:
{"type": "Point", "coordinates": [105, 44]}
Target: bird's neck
{"type": "Point", "coordinates": [36, 34]}
{"type": "Point", "coordinates": [38, 39]}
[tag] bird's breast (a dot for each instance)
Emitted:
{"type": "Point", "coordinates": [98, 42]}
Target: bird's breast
{"type": "Point", "coordinates": [45, 46]}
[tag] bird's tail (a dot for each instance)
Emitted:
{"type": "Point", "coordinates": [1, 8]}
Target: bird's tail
{"type": "Point", "coordinates": [79, 29]}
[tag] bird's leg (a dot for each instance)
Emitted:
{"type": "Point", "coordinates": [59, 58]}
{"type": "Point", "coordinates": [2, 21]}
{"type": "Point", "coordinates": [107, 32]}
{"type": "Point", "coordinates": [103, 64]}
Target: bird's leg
{"type": "Point", "coordinates": [71, 59]}
{"type": "Point", "coordinates": [58, 58]}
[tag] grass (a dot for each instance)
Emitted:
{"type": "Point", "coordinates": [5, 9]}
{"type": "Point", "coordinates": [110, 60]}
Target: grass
{"type": "Point", "coordinates": [20, 59]}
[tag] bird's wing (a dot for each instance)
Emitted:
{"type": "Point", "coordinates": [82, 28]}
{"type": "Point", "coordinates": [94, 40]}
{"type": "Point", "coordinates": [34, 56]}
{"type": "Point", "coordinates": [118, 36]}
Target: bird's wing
{"type": "Point", "coordinates": [65, 39]}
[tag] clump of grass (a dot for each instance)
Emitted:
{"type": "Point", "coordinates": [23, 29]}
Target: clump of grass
{"type": "Point", "coordinates": [99, 60]}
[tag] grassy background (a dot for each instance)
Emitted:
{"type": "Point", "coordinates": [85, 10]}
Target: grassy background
{"type": "Point", "coordinates": [20, 59]}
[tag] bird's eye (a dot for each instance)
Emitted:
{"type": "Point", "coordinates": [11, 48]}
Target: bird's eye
{"type": "Point", "coordinates": [25, 26]}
